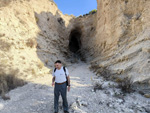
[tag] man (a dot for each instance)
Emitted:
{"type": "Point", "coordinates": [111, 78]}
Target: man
{"type": "Point", "coordinates": [59, 81]}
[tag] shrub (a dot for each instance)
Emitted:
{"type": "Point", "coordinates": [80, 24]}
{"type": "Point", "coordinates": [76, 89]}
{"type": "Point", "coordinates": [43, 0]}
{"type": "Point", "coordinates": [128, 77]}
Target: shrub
{"type": "Point", "coordinates": [40, 65]}
{"type": "Point", "coordinates": [31, 43]}
{"type": "Point", "coordinates": [9, 82]}
{"type": "Point", "coordinates": [4, 46]}
{"type": "Point", "coordinates": [97, 86]}
{"type": "Point", "coordinates": [33, 71]}
{"type": "Point", "coordinates": [36, 19]}
{"type": "Point", "coordinates": [60, 21]}
{"type": "Point", "coordinates": [46, 61]}
{"type": "Point", "coordinates": [126, 85]}
{"type": "Point", "coordinates": [93, 11]}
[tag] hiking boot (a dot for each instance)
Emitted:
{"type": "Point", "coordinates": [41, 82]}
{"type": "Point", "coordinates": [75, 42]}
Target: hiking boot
{"type": "Point", "coordinates": [66, 112]}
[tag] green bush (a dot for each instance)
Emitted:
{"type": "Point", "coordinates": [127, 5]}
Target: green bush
{"type": "Point", "coordinates": [93, 11]}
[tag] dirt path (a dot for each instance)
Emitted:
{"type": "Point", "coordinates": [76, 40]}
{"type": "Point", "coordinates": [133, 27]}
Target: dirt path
{"type": "Point", "coordinates": [38, 97]}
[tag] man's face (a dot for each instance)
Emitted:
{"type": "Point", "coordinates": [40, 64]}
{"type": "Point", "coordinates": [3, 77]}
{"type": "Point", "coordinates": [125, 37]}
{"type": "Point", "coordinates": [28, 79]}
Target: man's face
{"type": "Point", "coordinates": [58, 65]}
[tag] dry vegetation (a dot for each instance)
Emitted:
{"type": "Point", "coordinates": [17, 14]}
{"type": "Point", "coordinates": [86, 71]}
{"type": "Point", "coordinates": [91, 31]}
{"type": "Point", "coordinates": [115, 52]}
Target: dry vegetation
{"type": "Point", "coordinates": [9, 81]}
{"type": "Point", "coordinates": [97, 86]}
{"type": "Point", "coordinates": [31, 43]}
{"type": "Point", "coordinates": [125, 85]}
{"type": "Point", "coordinates": [40, 65]}
{"type": "Point", "coordinates": [4, 46]}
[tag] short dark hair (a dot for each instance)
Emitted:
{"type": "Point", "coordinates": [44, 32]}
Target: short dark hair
{"type": "Point", "coordinates": [58, 61]}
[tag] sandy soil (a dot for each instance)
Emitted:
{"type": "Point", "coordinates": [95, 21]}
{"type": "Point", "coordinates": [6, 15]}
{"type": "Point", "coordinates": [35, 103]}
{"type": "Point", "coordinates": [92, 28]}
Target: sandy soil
{"type": "Point", "coordinates": [37, 96]}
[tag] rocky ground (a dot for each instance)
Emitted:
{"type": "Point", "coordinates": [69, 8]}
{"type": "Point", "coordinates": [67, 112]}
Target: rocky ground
{"type": "Point", "coordinates": [84, 97]}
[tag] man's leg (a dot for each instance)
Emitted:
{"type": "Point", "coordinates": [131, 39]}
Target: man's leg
{"type": "Point", "coordinates": [56, 97]}
{"type": "Point", "coordinates": [64, 96]}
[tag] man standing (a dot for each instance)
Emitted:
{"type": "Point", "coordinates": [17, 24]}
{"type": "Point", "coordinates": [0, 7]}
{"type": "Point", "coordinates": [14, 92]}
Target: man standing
{"type": "Point", "coordinates": [60, 76]}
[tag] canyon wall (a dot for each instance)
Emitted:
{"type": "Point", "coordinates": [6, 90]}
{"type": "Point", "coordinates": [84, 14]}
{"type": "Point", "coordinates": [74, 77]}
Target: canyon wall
{"type": "Point", "coordinates": [122, 41]}
{"type": "Point", "coordinates": [32, 37]}
{"type": "Point", "coordinates": [86, 26]}
{"type": "Point", "coordinates": [115, 40]}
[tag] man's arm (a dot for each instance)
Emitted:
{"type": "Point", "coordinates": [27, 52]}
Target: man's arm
{"type": "Point", "coordinates": [53, 81]}
{"type": "Point", "coordinates": [68, 77]}
{"type": "Point", "coordinates": [68, 80]}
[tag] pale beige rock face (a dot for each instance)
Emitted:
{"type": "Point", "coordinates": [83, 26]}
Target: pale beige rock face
{"type": "Point", "coordinates": [122, 40]}
{"type": "Point", "coordinates": [86, 25]}
{"type": "Point", "coordinates": [32, 36]}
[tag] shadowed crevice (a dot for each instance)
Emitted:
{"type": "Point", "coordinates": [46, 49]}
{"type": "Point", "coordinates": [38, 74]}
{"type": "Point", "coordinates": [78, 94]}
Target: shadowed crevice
{"type": "Point", "coordinates": [75, 41]}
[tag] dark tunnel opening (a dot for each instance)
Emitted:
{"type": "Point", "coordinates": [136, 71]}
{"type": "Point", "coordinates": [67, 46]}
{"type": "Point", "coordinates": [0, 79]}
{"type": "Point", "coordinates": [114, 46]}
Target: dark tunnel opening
{"type": "Point", "coordinates": [75, 42]}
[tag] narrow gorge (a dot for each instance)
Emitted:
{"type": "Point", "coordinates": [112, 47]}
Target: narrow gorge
{"type": "Point", "coordinates": [114, 43]}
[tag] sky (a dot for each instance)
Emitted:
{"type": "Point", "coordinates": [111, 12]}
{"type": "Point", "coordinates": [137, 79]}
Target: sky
{"type": "Point", "coordinates": [76, 7]}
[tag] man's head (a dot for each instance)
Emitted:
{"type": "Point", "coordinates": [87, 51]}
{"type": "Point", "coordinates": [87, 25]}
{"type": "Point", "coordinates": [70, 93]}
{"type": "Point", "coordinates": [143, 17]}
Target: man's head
{"type": "Point", "coordinates": [58, 64]}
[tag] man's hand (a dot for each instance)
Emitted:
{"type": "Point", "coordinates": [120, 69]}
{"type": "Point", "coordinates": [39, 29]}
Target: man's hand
{"type": "Point", "coordinates": [53, 83]}
{"type": "Point", "coordinates": [68, 88]}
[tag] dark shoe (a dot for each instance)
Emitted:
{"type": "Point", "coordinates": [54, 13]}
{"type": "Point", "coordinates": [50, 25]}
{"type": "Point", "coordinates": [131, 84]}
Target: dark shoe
{"type": "Point", "coordinates": [55, 112]}
{"type": "Point", "coordinates": [66, 112]}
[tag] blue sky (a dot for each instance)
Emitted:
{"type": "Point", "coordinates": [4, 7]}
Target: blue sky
{"type": "Point", "coordinates": [76, 7]}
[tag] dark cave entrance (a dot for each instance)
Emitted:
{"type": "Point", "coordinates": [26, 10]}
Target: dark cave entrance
{"type": "Point", "coordinates": [75, 42]}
